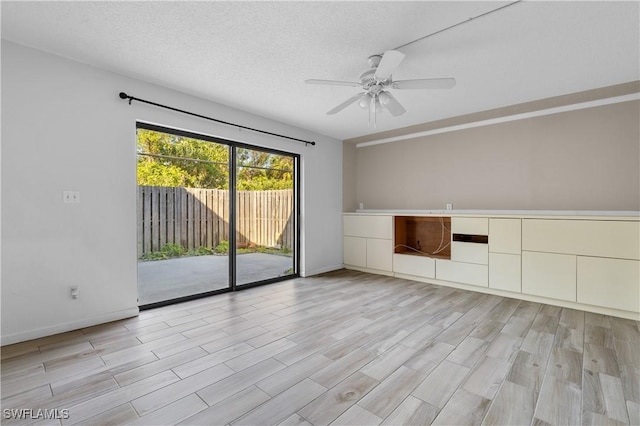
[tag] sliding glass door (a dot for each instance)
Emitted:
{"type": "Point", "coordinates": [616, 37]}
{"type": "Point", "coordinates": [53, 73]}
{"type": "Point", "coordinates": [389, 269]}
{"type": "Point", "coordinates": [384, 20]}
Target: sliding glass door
{"type": "Point", "coordinates": [213, 215]}
{"type": "Point", "coordinates": [183, 216]}
{"type": "Point", "coordinates": [265, 215]}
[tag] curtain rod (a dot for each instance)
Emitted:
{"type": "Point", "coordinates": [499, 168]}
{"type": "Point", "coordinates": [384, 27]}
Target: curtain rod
{"type": "Point", "coordinates": [132, 98]}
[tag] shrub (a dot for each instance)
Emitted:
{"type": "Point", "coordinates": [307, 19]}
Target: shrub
{"type": "Point", "coordinates": [200, 251]}
{"type": "Point", "coordinates": [173, 250]}
{"type": "Point", "coordinates": [222, 248]}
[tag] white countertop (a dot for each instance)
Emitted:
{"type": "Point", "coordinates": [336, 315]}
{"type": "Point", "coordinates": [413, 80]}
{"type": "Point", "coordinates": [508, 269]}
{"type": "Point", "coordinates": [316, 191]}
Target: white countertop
{"type": "Point", "coordinates": [549, 213]}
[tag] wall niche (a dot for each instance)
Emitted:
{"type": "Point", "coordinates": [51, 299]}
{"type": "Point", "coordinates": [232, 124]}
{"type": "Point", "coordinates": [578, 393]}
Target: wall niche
{"type": "Point", "coordinates": [423, 236]}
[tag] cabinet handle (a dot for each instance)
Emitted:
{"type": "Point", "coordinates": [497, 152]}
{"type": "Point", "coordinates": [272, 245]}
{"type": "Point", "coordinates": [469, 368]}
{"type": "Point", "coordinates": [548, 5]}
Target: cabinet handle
{"type": "Point", "coordinates": [468, 238]}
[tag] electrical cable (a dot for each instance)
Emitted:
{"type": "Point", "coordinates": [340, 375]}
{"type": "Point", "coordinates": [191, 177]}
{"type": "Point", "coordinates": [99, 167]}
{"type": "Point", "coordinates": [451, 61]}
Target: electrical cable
{"type": "Point", "coordinates": [440, 246]}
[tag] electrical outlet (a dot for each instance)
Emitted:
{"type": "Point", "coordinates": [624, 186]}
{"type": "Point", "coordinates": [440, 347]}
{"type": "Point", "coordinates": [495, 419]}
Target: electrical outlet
{"type": "Point", "coordinates": [74, 292]}
{"type": "Point", "coordinates": [70, 197]}
{"type": "Point", "coordinates": [449, 206]}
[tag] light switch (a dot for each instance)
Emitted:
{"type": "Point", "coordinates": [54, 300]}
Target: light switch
{"type": "Point", "coordinates": [71, 197]}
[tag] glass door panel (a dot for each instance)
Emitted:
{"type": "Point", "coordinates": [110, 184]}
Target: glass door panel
{"type": "Point", "coordinates": [183, 216]}
{"type": "Point", "coordinates": [266, 234]}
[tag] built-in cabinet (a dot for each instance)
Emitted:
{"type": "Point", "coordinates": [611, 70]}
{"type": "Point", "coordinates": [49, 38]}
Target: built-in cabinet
{"type": "Point", "coordinates": [608, 282]}
{"type": "Point", "coordinates": [368, 242]}
{"type": "Point", "coordinates": [355, 251]}
{"type": "Point", "coordinates": [505, 249]}
{"type": "Point", "coordinates": [419, 266]}
{"type": "Point", "coordinates": [549, 275]}
{"type": "Point", "coordinates": [593, 264]}
{"type": "Point", "coordinates": [469, 253]}
{"type": "Point", "coordinates": [462, 272]}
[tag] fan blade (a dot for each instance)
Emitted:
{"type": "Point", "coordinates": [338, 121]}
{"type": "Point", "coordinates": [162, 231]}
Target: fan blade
{"type": "Point", "coordinates": [391, 104]}
{"type": "Point", "coordinates": [389, 62]}
{"type": "Point", "coordinates": [334, 83]}
{"type": "Point", "coordinates": [426, 83]}
{"type": "Point", "coordinates": [346, 103]}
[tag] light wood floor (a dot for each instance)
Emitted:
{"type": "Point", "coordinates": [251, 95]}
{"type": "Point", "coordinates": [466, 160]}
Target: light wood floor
{"type": "Point", "coordinates": [340, 348]}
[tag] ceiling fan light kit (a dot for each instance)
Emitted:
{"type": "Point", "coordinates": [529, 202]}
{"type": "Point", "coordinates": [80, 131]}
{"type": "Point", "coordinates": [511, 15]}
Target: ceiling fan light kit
{"type": "Point", "coordinates": [376, 83]}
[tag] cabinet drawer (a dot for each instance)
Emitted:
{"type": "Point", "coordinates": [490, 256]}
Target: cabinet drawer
{"type": "Point", "coordinates": [368, 226]}
{"type": "Point", "coordinates": [420, 266]}
{"type": "Point", "coordinates": [470, 225]}
{"type": "Point", "coordinates": [614, 283]}
{"type": "Point", "coordinates": [616, 239]}
{"type": "Point", "coordinates": [467, 273]}
{"type": "Point", "coordinates": [469, 252]}
{"type": "Point", "coordinates": [355, 251]}
{"type": "Point", "coordinates": [504, 272]}
{"type": "Point", "coordinates": [379, 254]}
{"type": "Point", "coordinates": [549, 275]}
{"type": "Point", "coordinates": [505, 236]}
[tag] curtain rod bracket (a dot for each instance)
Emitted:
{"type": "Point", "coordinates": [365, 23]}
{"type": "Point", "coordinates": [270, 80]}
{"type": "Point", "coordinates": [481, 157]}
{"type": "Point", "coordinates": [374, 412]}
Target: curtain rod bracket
{"type": "Point", "coordinates": [240, 127]}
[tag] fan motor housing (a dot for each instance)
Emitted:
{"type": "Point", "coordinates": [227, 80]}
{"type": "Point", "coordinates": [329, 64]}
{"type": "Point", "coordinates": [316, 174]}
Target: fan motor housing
{"type": "Point", "coordinates": [368, 79]}
{"type": "Point", "coordinates": [374, 61]}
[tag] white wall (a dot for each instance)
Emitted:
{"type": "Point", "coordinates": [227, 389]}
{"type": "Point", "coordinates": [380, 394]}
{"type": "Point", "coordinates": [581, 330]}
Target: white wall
{"type": "Point", "coordinates": [64, 128]}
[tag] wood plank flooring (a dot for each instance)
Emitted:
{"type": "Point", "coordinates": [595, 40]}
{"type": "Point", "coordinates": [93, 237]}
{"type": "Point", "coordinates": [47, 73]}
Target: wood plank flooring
{"type": "Point", "coordinates": [342, 348]}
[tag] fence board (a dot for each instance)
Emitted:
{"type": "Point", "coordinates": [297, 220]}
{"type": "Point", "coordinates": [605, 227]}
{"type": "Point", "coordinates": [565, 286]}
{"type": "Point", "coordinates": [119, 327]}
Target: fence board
{"type": "Point", "coordinates": [196, 217]}
{"type": "Point", "coordinates": [171, 214]}
{"type": "Point", "coordinates": [162, 219]}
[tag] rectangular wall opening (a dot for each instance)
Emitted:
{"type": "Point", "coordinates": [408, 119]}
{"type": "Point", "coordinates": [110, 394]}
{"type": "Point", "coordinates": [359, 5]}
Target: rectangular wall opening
{"type": "Point", "coordinates": [423, 236]}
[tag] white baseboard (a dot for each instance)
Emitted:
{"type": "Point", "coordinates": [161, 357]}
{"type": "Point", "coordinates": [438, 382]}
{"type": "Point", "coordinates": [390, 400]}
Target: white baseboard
{"type": "Point", "coordinates": [69, 326]}
{"type": "Point", "coordinates": [321, 270]}
{"type": "Point", "coordinates": [527, 297]}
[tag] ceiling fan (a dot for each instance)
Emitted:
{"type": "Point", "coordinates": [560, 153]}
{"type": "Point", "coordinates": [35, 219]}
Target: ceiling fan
{"type": "Point", "coordinates": [376, 83]}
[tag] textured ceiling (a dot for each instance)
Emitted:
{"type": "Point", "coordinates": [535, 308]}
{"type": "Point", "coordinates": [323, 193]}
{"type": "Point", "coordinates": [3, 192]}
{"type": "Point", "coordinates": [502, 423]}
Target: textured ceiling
{"type": "Point", "coordinates": [255, 56]}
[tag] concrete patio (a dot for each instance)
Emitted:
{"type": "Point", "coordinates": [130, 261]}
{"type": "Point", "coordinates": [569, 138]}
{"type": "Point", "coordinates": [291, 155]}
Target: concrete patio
{"type": "Point", "coordinates": [161, 280]}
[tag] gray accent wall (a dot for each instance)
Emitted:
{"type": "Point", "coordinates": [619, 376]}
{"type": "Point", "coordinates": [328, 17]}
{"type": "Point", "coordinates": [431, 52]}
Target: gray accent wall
{"type": "Point", "coordinates": [587, 159]}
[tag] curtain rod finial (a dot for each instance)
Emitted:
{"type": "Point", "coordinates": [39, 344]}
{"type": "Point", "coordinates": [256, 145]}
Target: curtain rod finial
{"type": "Point", "coordinates": [123, 95]}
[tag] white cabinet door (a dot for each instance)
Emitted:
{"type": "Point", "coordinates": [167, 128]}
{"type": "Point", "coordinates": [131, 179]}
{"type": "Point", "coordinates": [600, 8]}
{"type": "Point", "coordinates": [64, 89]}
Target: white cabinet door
{"type": "Point", "coordinates": [470, 225]}
{"type": "Point", "coordinates": [368, 226]}
{"type": "Point", "coordinates": [420, 266]}
{"type": "Point", "coordinates": [614, 283]}
{"type": "Point", "coordinates": [504, 272]}
{"type": "Point", "coordinates": [549, 275]}
{"type": "Point", "coordinates": [505, 236]}
{"type": "Point", "coordinates": [616, 239]}
{"type": "Point", "coordinates": [469, 252]}
{"type": "Point", "coordinates": [379, 254]}
{"type": "Point", "coordinates": [467, 273]}
{"type": "Point", "coordinates": [355, 251]}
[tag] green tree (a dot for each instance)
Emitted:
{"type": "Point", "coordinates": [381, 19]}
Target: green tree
{"type": "Point", "coordinates": [157, 174]}
{"type": "Point", "coordinates": [261, 171]}
{"type": "Point", "coordinates": [171, 160]}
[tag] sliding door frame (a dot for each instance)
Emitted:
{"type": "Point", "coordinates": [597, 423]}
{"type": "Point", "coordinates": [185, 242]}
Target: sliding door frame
{"type": "Point", "coordinates": [233, 146]}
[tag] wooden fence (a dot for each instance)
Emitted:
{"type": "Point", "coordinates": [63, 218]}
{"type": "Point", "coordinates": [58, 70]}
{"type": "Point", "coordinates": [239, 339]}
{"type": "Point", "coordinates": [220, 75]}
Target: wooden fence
{"type": "Point", "coordinates": [196, 217]}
